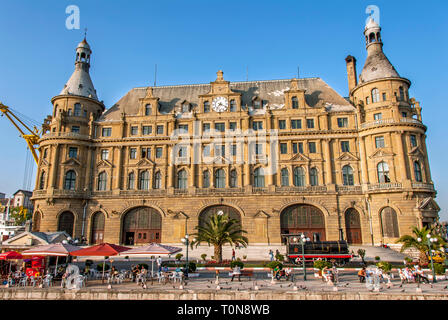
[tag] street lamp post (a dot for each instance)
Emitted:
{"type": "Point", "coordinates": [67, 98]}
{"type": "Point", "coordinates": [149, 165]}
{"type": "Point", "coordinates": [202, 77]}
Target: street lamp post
{"type": "Point", "coordinates": [429, 242]}
{"type": "Point", "coordinates": [303, 240]}
{"type": "Point", "coordinates": [186, 240]}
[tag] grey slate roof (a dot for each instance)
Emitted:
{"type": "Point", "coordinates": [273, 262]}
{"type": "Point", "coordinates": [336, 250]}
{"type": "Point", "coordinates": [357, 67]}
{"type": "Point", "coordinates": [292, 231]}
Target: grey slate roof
{"type": "Point", "coordinates": [50, 236]}
{"type": "Point", "coordinates": [317, 94]}
{"type": "Point", "coordinates": [80, 84]}
{"type": "Point", "coordinates": [377, 66]}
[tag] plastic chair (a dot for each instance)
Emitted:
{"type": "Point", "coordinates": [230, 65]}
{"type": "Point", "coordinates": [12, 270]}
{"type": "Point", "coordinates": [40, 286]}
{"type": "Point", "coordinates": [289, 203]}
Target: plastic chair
{"type": "Point", "coordinates": [178, 276]}
{"type": "Point", "coordinates": [160, 277]}
{"type": "Point", "coordinates": [23, 281]}
{"type": "Point", "coordinates": [48, 280]}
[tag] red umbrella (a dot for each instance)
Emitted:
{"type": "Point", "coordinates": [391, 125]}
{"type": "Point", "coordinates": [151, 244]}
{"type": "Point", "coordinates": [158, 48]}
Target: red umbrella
{"type": "Point", "coordinates": [10, 255]}
{"type": "Point", "coordinates": [103, 250]}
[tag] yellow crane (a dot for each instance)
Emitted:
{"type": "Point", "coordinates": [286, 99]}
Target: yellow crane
{"type": "Point", "coordinates": [31, 136]}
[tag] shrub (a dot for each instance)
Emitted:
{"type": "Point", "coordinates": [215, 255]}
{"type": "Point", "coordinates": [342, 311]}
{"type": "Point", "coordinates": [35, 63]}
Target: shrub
{"type": "Point", "coordinates": [377, 258]}
{"type": "Point", "coordinates": [244, 257]}
{"type": "Point", "coordinates": [273, 264]}
{"type": "Point", "coordinates": [385, 266]}
{"type": "Point", "coordinates": [279, 257]}
{"type": "Point", "coordinates": [439, 268]}
{"type": "Point", "coordinates": [99, 267]}
{"type": "Point", "coordinates": [204, 256]}
{"type": "Point", "coordinates": [238, 263]}
{"type": "Point", "coordinates": [179, 256]}
{"type": "Point", "coordinates": [191, 266]}
{"type": "Point", "coordinates": [143, 265]}
{"type": "Point", "coordinates": [321, 264]}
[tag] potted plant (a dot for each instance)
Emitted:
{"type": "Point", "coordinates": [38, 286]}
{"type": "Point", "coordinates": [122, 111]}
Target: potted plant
{"type": "Point", "coordinates": [178, 257]}
{"type": "Point", "coordinates": [204, 257]}
{"type": "Point", "coordinates": [244, 258]}
{"type": "Point", "coordinates": [320, 265]}
{"type": "Point", "coordinates": [362, 254]}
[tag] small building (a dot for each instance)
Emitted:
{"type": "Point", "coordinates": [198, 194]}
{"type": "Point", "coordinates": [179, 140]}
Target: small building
{"type": "Point", "coordinates": [26, 240]}
{"type": "Point", "coordinates": [22, 199]}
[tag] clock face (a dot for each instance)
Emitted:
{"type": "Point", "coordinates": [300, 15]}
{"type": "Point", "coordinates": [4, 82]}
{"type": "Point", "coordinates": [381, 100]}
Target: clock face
{"type": "Point", "coordinates": [220, 104]}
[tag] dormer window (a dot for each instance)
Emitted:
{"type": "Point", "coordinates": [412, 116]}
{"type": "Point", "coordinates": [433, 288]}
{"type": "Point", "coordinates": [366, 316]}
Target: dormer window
{"type": "Point", "coordinates": [206, 106]}
{"type": "Point", "coordinates": [295, 103]}
{"type": "Point", "coordinates": [257, 104]}
{"type": "Point", "coordinates": [232, 105]}
{"type": "Point", "coordinates": [148, 110]}
{"type": "Point", "coordinates": [185, 107]}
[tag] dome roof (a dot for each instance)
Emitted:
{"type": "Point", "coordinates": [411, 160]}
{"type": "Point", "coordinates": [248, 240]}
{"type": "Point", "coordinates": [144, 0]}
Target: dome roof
{"type": "Point", "coordinates": [372, 24]}
{"type": "Point", "coordinates": [83, 44]}
{"type": "Point", "coordinates": [377, 66]}
{"type": "Point", "coordinates": [80, 84]}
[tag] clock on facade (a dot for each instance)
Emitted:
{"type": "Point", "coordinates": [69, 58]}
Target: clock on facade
{"type": "Point", "coordinates": [220, 104]}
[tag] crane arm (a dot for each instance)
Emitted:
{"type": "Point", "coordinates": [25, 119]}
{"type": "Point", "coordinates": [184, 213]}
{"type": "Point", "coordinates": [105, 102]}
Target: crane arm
{"type": "Point", "coordinates": [31, 138]}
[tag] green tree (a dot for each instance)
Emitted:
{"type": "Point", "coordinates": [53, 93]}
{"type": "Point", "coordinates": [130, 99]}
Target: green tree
{"type": "Point", "coordinates": [218, 231]}
{"type": "Point", "coordinates": [411, 241]}
{"type": "Point", "coordinates": [20, 215]}
{"type": "Point", "coordinates": [362, 254]}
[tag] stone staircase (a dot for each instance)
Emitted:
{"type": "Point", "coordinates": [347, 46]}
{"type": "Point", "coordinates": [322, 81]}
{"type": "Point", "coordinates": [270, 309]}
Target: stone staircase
{"type": "Point", "coordinates": [390, 255]}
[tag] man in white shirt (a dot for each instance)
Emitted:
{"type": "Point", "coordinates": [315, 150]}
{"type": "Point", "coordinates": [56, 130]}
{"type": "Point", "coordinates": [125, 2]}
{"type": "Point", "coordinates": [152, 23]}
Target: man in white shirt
{"type": "Point", "coordinates": [159, 263]}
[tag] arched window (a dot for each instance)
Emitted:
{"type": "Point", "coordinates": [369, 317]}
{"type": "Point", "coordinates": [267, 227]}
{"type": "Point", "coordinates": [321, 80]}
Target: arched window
{"type": "Point", "coordinates": [102, 181]}
{"type": "Point", "coordinates": [220, 178]}
{"type": "Point", "coordinates": [285, 177]}
{"type": "Point", "coordinates": [233, 179]}
{"type": "Point", "coordinates": [402, 98]}
{"type": "Point", "coordinates": [42, 181]}
{"type": "Point", "coordinates": [66, 222]}
{"type": "Point", "coordinates": [295, 103]}
{"type": "Point", "coordinates": [77, 108]}
{"type": "Point", "coordinates": [97, 234]}
{"type": "Point", "coordinates": [383, 172]}
{"type": "Point", "coordinates": [206, 179]}
{"type": "Point", "coordinates": [142, 225]}
{"type": "Point", "coordinates": [302, 218]}
{"type": "Point", "coordinates": [157, 180]}
{"type": "Point", "coordinates": [375, 95]}
{"type": "Point", "coordinates": [353, 226]}
{"type": "Point", "coordinates": [259, 178]}
{"type": "Point", "coordinates": [314, 181]}
{"type": "Point", "coordinates": [299, 177]}
{"type": "Point", "coordinates": [232, 105]}
{"type": "Point", "coordinates": [347, 176]}
{"type": "Point", "coordinates": [148, 110]}
{"type": "Point", "coordinates": [182, 179]}
{"type": "Point", "coordinates": [144, 180]}
{"type": "Point", "coordinates": [70, 180]}
{"type": "Point", "coordinates": [36, 221]}
{"type": "Point", "coordinates": [131, 181]}
{"type": "Point", "coordinates": [389, 223]}
{"type": "Point", "coordinates": [417, 172]}
{"type": "Point", "coordinates": [372, 37]}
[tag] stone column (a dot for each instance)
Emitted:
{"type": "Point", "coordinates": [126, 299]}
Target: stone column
{"type": "Point", "coordinates": [363, 158]}
{"type": "Point", "coordinates": [328, 158]}
{"type": "Point", "coordinates": [401, 159]}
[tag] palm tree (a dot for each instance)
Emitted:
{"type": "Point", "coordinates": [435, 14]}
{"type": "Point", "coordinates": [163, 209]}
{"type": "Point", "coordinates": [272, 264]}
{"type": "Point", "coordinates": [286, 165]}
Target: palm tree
{"type": "Point", "coordinates": [411, 241]}
{"type": "Point", "coordinates": [220, 230]}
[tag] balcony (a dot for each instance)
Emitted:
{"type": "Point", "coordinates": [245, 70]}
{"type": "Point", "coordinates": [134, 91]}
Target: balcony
{"type": "Point", "coordinates": [69, 135]}
{"type": "Point", "coordinates": [151, 192]}
{"type": "Point", "coordinates": [381, 122]}
{"type": "Point", "coordinates": [349, 189]}
{"type": "Point", "coordinates": [304, 189]}
{"type": "Point", "coordinates": [385, 186]}
{"type": "Point", "coordinates": [205, 191]}
{"type": "Point", "coordinates": [423, 186]}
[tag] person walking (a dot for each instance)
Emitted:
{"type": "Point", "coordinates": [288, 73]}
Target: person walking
{"type": "Point", "coordinates": [233, 254]}
{"type": "Point", "coordinates": [271, 255]}
{"type": "Point", "coordinates": [236, 272]}
{"type": "Point", "coordinates": [419, 275]}
{"type": "Point", "coordinates": [159, 263]}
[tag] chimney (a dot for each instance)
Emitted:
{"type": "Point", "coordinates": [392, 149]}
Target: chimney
{"type": "Point", "coordinates": [351, 73]}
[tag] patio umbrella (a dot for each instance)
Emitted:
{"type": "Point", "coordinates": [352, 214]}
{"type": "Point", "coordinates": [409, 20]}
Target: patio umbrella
{"type": "Point", "coordinates": [152, 249]}
{"type": "Point", "coordinates": [55, 249]}
{"type": "Point", "coordinates": [10, 255]}
{"type": "Point", "coordinates": [100, 250]}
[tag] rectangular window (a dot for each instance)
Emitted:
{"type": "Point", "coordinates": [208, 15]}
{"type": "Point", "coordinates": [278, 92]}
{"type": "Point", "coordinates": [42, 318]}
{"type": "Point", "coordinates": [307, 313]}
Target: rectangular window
{"type": "Point", "coordinates": [77, 110]}
{"type": "Point", "coordinates": [257, 125]}
{"type": "Point", "coordinates": [258, 148]}
{"type": "Point", "coordinates": [342, 122]}
{"type": "Point", "coordinates": [104, 154]}
{"type": "Point", "coordinates": [133, 153]}
{"type": "Point", "coordinates": [384, 96]}
{"type": "Point", "coordinates": [220, 150]}
{"type": "Point", "coordinates": [206, 127]}
{"type": "Point", "coordinates": [106, 132]}
{"type": "Point", "coordinates": [159, 129]}
{"type": "Point", "coordinates": [300, 147]}
{"type": "Point", "coordinates": [282, 124]}
{"type": "Point", "coordinates": [233, 149]}
{"type": "Point", "coordinates": [146, 153]}
{"type": "Point", "coordinates": [296, 124]}
{"type": "Point", "coordinates": [283, 148]}
{"type": "Point", "coordinates": [404, 114]}
{"type": "Point", "coordinates": [379, 142]}
{"type": "Point", "coordinates": [206, 151]}
{"type": "Point", "coordinates": [159, 152]}
{"type": "Point", "coordinates": [182, 151]}
{"type": "Point", "coordinates": [232, 126]}
{"type": "Point", "coordinates": [72, 152]}
{"type": "Point", "coordinates": [134, 131]}
{"type": "Point", "coordinates": [75, 129]}
{"type": "Point", "coordinates": [367, 100]}
{"type": "Point", "coordinates": [257, 104]}
{"type": "Point", "coordinates": [146, 130]}
{"type": "Point", "coordinates": [312, 147]}
{"type": "Point", "coordinates": [220, 127]}
{"type": "Point", "coordinates": [294, 148]}
{"type": "Point", "coordinates": [310, 123]}
{"type": "Point", "coordinates": [345, 146]}
{"type": "Point", "coordinates": [413, 140]}
{"type": "Point", "coordinates": [378, 116]}
{"type": "Point", "coordinates": [183, 128]}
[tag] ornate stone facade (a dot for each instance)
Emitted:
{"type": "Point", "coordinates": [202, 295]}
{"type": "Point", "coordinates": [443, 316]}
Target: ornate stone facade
{"type": "Point", "coordinates": [283, 156]}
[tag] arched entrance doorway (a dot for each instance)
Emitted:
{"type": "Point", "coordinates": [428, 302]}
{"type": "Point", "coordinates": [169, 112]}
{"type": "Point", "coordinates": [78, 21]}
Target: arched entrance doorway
{"type": "Point", "coordinates": [303, 218]}
{"type": "Point", "coordinates": [36, 221]}
{"type": "Point", "coordinates": [97, 232]}
{"type": "Point", "coordinates": [389, 223]}
{"type": "Point", "coordinates": [142, 225]}
{"type": "Point", "coordinates": [66, 222]}
{"type": "Point", "coordinates": [353, 226]}
{"type": "Point", "coordinates": [205, 215]}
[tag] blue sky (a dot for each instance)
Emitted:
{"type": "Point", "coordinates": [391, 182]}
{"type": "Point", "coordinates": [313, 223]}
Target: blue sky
{"type": "Point", "coordinates": [190, 40]}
